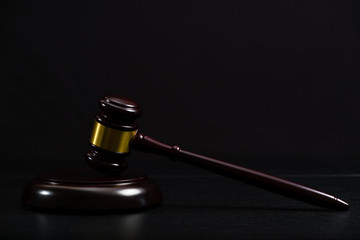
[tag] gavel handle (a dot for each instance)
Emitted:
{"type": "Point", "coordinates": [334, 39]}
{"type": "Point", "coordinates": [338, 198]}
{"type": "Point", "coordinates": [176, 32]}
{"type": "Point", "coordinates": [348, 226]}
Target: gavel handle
{"type": "Point", "coordinates": [249, 176]}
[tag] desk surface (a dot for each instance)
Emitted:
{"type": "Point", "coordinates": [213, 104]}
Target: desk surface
{"type": "Point", "coordinates": [195, 206]}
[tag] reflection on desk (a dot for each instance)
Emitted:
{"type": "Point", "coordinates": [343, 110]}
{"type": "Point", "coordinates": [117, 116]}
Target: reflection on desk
{"type": "Point", "coordinates": [204, 207]}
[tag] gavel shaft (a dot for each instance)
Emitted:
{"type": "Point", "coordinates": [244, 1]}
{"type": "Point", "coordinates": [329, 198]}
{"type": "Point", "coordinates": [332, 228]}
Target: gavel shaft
{"type": "Point", "coordinates": [249, 176]}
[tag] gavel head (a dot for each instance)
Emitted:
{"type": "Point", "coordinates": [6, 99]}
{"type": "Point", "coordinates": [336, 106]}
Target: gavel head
{"type": "Point", "coordinates": [114, 129]}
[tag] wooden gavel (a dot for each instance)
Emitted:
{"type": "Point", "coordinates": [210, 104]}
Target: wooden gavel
{"type": "Point", "coordinates": [115, 133]}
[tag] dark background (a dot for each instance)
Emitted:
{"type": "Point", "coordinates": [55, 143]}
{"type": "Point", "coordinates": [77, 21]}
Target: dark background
{"type": "Point", "coordinates": [269, 85]}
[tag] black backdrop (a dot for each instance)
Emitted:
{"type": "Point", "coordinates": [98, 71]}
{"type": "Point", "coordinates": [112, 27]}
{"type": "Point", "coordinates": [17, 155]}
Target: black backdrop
{"type": "Point", "coordinates": [272, 85]}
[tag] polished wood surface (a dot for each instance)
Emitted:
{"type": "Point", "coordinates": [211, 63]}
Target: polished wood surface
{"type": "Point", "coordinates": [88, 190]}
{"type": "Point", "coordinates": [249, 176]}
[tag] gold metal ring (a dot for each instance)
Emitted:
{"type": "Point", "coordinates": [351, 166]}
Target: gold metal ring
{"type": "Point", "coordinates": [111, 139]}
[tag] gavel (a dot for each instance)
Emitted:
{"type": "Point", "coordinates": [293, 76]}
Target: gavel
{"type": "Point", "coordinates": [115, 134]}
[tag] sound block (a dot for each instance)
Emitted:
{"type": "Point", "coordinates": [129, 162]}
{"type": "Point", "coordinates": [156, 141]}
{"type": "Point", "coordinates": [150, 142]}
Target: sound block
{"type": "Point", "coordinates": [88, 190]}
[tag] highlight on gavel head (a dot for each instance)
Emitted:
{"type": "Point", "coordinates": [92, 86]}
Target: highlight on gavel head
{"type": "Point", "coordinates": [113, 130]}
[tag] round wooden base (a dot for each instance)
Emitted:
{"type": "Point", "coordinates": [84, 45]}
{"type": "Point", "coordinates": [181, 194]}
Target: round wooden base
{"type": "Point", "coordinates": [86, 189]}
